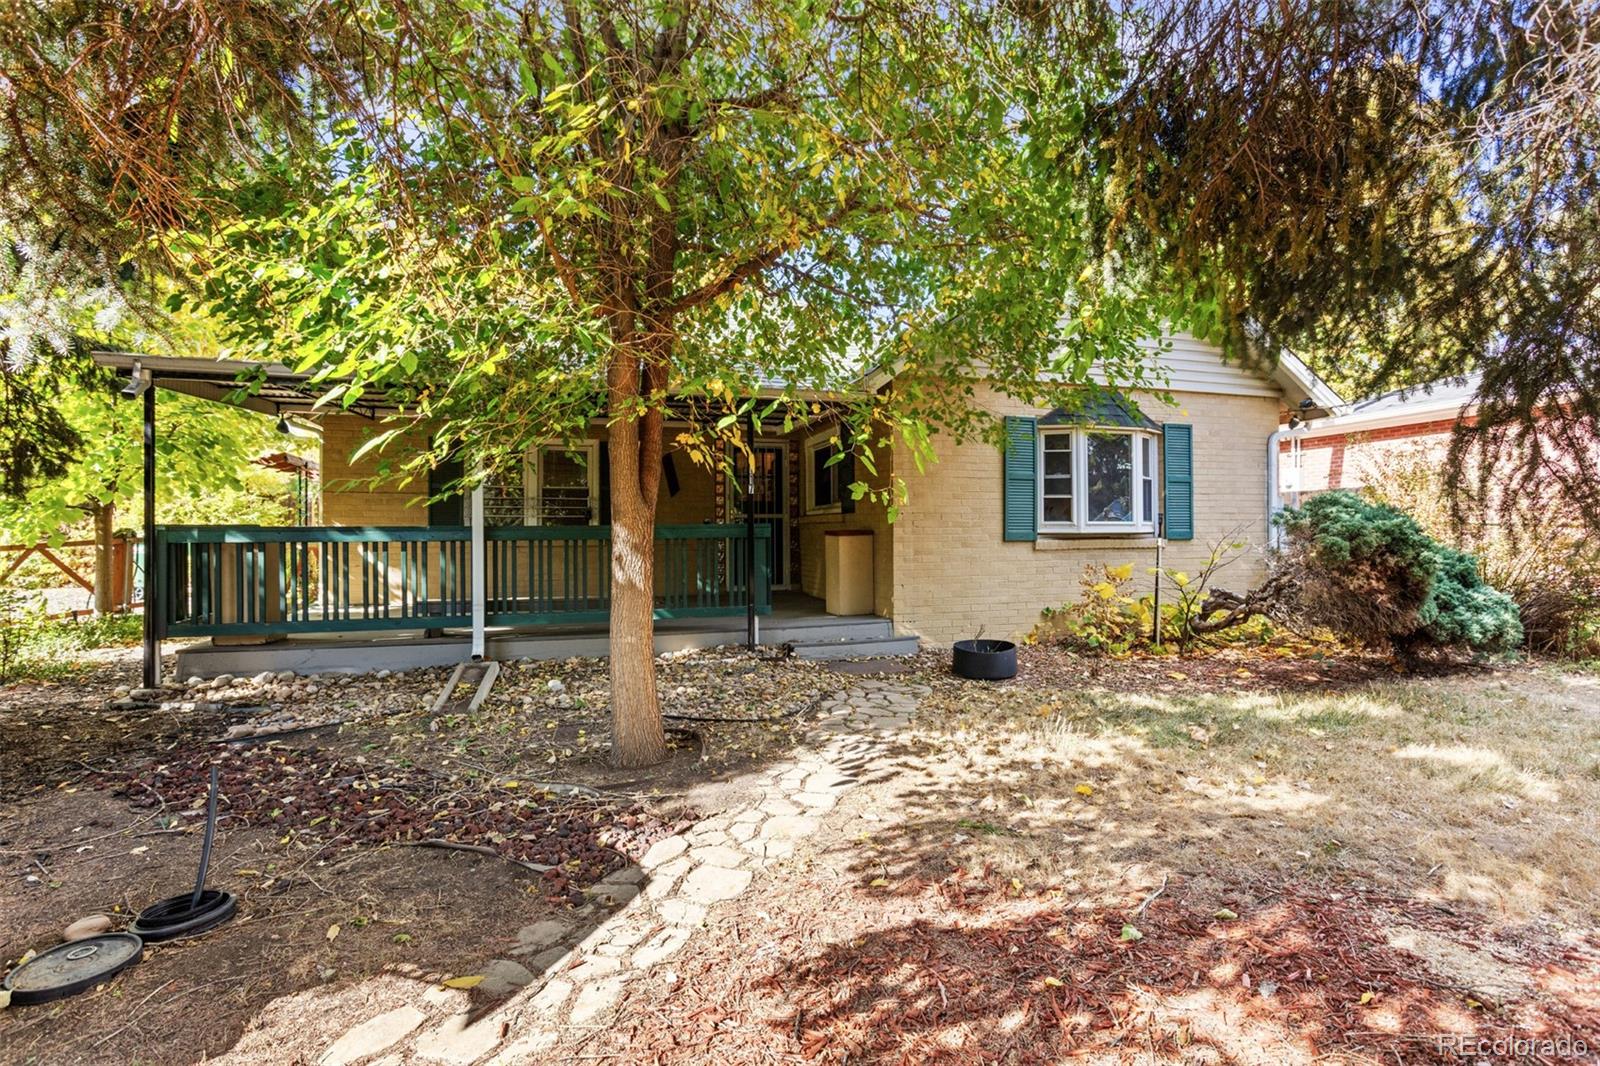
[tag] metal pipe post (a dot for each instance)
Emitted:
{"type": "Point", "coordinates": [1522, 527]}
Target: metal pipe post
{"type": "Point", "coordinates": [152, 599]}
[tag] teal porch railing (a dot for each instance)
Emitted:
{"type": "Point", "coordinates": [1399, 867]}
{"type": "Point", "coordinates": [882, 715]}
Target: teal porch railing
{"type": "Point", "coordinates": [258, 580]}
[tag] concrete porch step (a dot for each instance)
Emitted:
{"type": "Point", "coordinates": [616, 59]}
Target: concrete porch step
{"type": "Point", "coordinates": [854, 647]}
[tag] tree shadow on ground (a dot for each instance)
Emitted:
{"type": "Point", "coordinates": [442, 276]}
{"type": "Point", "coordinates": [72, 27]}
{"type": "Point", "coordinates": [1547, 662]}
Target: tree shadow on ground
{"type": "Point", "coordinates": [969, 969]}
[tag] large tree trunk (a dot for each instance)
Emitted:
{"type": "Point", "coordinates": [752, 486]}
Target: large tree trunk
{"type": "Point", "coordinates": [637, 736]}
{"type": "Point", "coordinates": [105, 592]}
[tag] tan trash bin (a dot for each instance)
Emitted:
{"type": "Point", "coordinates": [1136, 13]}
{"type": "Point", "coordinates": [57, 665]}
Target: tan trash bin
{"type": "Point", "coordinates": [847, 570]}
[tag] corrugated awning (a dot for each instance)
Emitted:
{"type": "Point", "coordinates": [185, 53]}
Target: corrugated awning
{"type": "Point", "coordinates": [268, 388]}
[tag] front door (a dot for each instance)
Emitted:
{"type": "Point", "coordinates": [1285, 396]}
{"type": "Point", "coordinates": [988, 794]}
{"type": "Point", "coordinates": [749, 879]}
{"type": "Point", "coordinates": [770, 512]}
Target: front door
{"type": "Point", "coordinates": [771, 505]}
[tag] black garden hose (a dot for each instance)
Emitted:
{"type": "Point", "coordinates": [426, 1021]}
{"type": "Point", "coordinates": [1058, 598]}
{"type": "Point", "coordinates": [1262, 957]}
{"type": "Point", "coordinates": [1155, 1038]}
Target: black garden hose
{"type": "Point", "coordinates": [198, 911]}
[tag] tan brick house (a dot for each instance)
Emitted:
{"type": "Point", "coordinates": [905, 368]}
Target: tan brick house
{"type": "Point", "coordinates": [985, 538]}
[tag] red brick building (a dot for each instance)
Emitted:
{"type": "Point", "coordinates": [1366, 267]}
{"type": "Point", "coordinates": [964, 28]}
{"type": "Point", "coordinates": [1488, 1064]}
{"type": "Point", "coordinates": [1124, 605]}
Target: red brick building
{"type": "Point", "coordinates": [1349, 450]}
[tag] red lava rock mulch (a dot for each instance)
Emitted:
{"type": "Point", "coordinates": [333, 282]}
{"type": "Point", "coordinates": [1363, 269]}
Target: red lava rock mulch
{"type": "Point", "coordinates": [966, 970]}
{"type": "Point", "coordinates": [339, 802]}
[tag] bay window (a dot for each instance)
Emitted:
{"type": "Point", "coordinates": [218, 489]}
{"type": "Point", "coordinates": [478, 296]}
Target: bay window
{"type": "Point", "coordinates": [1097, 480]}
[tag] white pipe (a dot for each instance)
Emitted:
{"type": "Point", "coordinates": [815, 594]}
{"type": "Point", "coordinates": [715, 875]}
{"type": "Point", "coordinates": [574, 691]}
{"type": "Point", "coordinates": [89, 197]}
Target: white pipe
{"type": "Point", "coordinates": [479, 574]}
{"type": "Point", "coordinates": [1274, 492]}
{"type": "Point", "coordinates": [1274, 487]}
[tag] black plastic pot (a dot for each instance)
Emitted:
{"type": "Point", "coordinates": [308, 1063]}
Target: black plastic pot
{"type": "Point", "coordinates": [984, 660]}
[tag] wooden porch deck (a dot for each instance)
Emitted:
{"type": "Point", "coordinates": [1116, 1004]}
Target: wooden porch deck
{"type": "Point", "coordinates": [794, 618]}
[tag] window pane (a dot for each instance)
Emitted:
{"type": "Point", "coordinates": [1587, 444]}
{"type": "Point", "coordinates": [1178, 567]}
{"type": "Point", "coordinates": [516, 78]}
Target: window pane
{"type": "Point", "coordinates": [1110, 489]}
{"type": "Point", "coordinates": [1058, 454]}
{"type": "Point", "coordinates": [1058, 509]}
{"type": "Point", "coordinates": [563, 488]}
{"type": "Point", "coordinates": [824, 479]}
{"type": "Point", "coordinates": [1147, 458]}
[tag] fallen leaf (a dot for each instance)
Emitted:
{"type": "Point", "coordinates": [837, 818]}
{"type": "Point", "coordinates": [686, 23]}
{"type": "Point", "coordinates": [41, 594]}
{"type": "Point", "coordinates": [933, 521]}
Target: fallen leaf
{"type": "Point", "coordinates": [1223, 914]}
{"type": "Point", "coordinates": [878, 882]}
{"type": "Point", "coordinates": [140, 850]}
{"type": "Point", "coordinates": [1129, 933]}
{"type": "Point", "coordinates": [1367, 997]}
{"type": "Point", "coordinates": [1084, 789]}
{"type": "Point", "coordinates": [1053, 982]}
{"type": "Point", "coordinates": [472, 981]}
{"type": "Point", "coordinates": [333, 931]}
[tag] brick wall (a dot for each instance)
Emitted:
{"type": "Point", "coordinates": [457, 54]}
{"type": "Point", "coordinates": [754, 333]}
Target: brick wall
{"type": "Point", "coordinates": [869, 514]}
{"type": "Point", "coordinates": [952, 574]}
{"type": "Point", "coordinates": [1351, 460]}
{"type": "Point", "coordinates": [349, 498]}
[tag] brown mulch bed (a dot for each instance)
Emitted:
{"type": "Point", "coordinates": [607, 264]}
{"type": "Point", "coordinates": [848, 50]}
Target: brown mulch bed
{"type": "Point", "coordinates": [318, 797]}
{"type": "Point", "coordinates": [974, 969]}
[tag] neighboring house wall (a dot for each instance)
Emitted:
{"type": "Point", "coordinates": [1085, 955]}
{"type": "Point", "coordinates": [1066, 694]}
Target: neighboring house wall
{"type": "Point", "coordinates": [1351, 460]}
{"type": "Point", "coordinates": [954, 575]}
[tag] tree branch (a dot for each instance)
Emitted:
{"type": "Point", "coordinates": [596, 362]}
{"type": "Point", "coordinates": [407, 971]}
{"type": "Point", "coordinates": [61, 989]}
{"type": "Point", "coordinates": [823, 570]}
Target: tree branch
{"type": "Point", "coordinates": [762, 260]}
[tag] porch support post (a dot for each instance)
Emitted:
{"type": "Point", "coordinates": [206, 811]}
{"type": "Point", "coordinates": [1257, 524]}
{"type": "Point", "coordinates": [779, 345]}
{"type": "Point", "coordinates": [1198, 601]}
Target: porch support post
{"type": "Point", "coordinates": [152, 597]}
{"type": "Point", "coordinates": [480, 572]}
{"type": "Point", "coordinates": [750, 538]}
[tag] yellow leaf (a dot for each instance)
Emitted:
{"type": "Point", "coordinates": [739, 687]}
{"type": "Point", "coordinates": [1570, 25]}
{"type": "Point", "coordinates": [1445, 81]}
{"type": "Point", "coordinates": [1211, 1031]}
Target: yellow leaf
{"type": "Point", "coordinates": [1180, 579]}
{"type": "Point", "coordinates": [333, 931]}
{"type": "Point", "coordinates": [1367, 997]}
{"type": "Point", "coordinates": [511, 784]}
{"type": "Point", "coordinates": [1016, 885]}
{"type": "Point", "coordinates": [1084, 789]}
{"type": "Point", "coordinates": [1053, 982]}
{"type": "Point", "coordinates": [1104, 590]}
{"type": "Point", "coordinates": [1177, 676]}
{"type": "Point", "coordinates": [878, 882]}
{"type": "Point", "coordinates": [472, 981]}
{"type": "Point", "coordinates": [1120, 573]}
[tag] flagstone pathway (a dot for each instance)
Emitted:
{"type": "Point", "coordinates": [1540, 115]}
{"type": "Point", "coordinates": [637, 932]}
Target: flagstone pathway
{"type": "Point", "coordinates": [673, 891]}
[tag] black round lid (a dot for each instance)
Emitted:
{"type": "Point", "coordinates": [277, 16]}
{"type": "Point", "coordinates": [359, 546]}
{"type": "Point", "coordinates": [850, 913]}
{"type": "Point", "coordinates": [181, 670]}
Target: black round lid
{"type": "Point", "coordinates": [67, 969]}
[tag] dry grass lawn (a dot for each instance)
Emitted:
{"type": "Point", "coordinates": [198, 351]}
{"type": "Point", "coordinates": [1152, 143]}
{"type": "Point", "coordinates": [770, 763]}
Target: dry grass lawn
{"type": "Point", "coordinates": [1385, 871]}
{"type": "Point", "coordinates": [1483, 788]}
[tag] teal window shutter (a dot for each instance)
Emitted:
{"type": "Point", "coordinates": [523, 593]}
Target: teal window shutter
{"type": "Point", "coordinates": [1177, 467]}
{"type": "Point", "coordinates": [1021, 516]}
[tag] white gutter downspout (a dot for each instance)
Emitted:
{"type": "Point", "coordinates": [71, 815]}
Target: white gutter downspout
{"type": "Point", "coordinates": [1274, 487]}
{"type": "Point", "coordinates": [479, 574]}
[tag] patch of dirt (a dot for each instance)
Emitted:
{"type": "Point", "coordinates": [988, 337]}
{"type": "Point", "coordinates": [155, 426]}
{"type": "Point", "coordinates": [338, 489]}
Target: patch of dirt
{"type": "Point", "coordinates": [62, 730]}
{"type": "Point", "coordinates": [67, 855]}
{"type": "Point", "coordinates": [108, 807]}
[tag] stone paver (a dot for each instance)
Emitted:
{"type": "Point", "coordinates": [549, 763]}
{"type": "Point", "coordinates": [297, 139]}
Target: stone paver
{"type": "Point", "coordinates": [372, 1036]}
{"type": "Point", "coordinates": [663, 851]}
{"type": "Point", "coordinates": [789, 827]}
{"type": "Point", "coordinates": [672, 891]}
{"type": "Point", "coordinates": [462, 1039]}
{"type": "Point", "coordinates": [503, 977]}
{"type": "Point", "coordinates": [713, 884]}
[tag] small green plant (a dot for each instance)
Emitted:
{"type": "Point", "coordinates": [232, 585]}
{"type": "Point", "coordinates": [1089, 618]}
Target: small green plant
{"type": "Point", "coordinates": [34, 645]}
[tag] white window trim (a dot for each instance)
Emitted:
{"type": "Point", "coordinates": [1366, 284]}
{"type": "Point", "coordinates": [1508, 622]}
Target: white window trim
{"type": "Point", "coordinates": [533, 477]}
{"type": "Point", "coordinates": [808, 476]}
{"type": "Point", "coordinates": [1142, 523]}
